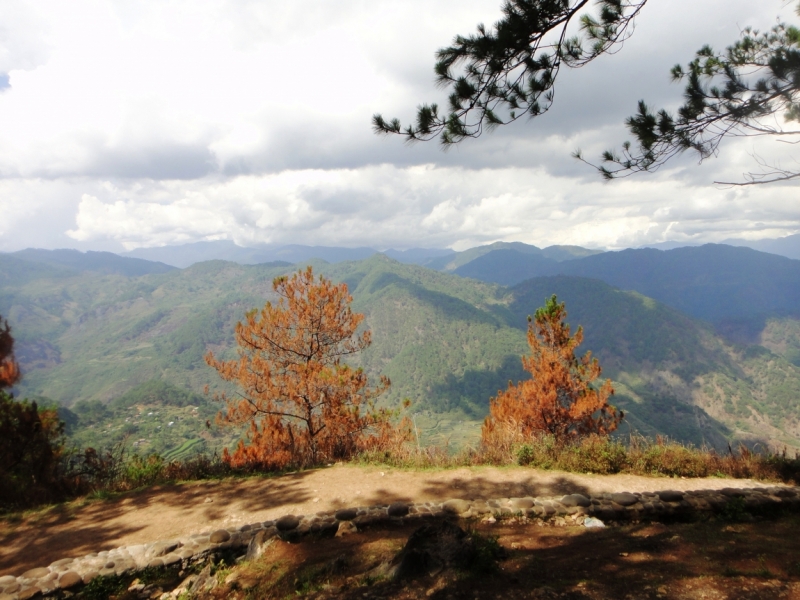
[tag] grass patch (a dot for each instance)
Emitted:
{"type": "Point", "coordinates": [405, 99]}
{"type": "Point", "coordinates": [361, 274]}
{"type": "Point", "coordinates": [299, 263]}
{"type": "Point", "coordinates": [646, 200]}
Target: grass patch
{"type": "Point", "coordinates": [600, 455]}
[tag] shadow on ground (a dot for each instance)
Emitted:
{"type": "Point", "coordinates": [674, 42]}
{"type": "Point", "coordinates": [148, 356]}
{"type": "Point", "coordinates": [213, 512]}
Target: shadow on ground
{"type": "Point", "coordinates": [707, 559]}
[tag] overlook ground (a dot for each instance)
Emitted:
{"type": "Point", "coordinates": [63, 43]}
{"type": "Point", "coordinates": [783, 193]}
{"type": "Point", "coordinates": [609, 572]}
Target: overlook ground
{"type": "Point", "coordinates": [681, 561]}
{"type": "Point", "coordinates": [163, 512]}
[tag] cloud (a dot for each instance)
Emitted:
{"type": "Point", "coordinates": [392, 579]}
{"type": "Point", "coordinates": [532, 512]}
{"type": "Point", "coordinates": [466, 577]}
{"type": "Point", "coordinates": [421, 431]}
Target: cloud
{"type": "Point", "coordinates": [388, 206]}
{"type": "Point", "coordinates": [139, 122]}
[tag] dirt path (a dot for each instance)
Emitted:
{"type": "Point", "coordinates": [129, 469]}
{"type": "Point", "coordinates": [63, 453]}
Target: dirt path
{"type": "Point", "coordinates": [166, 512]}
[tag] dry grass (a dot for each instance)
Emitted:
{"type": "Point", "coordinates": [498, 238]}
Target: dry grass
{"type": "Point", "coordinates": [601, 455]}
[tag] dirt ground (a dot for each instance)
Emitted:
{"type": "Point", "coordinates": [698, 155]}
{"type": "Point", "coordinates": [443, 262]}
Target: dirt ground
{"type": "Point", "coordinates": [164, 512]}
{"type": "Point", "coordinates": [711, 559]}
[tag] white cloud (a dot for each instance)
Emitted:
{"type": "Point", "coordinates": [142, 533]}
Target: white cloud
{"type": "Point", "coordinates": [143, 122]}
{"type": "Point", "coordinates": [387, 206]}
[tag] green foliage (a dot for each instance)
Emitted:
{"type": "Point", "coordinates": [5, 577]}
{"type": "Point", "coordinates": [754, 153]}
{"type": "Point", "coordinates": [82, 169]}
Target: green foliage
{"type": "Point", "coordinates": [122, 348]}
{"type": "Point", "coordinates": [742, 91]}
{"type": "Point", "coordinates": [141, 471]}
{"type": "Point", "coordinates": [103, 587]}
{"type": "Point", "coordinates": [735, 511]}
{"type": "Point", "coordinates": [507, 72]}
{"type": "Point", "coordinates": [487, 552]}
{"type": "Point", "coordinates": [156, 393]}
{"type": "Point", "coordinates": [606, 456]}
{"type": "Point", "coordinates": [31, 443]}
{"type": "Point", "coordinates": [154, 417]}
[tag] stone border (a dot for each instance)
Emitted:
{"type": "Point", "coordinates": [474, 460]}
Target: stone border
{"type": "Point", "coordinates": [71, 573]}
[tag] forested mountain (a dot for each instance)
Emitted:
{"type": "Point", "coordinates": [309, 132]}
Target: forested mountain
{"type": "Point", "coordinates": [87, 339]}
{"type": "Point", "coordinates": [713, 282]}
{"type": "Point", "coordinates": [550, 255]}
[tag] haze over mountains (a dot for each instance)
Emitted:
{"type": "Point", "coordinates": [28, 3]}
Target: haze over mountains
{"type": "Point", "coordinates": [188, 254]}
{"type": "Point", "coordinates": [185, 255]}
{"type": "Point", "coordinates": [703, 343]}
{"type": "Point", "coordinates": [788, 246]}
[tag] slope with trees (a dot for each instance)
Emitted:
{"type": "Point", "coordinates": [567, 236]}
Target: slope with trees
{"type": "Point", "coordinates": [448, 343]}
{"type": "Point", "coordinates": [715, 282]}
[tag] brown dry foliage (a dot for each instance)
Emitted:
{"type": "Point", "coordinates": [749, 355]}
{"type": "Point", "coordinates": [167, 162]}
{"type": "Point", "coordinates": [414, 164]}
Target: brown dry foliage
{"type": "Point", "coordinates": [302, 404]}
{"type": "Point", "coordinates": [558, 399]}
{"type": "Point", "coordinates": [9, 369]}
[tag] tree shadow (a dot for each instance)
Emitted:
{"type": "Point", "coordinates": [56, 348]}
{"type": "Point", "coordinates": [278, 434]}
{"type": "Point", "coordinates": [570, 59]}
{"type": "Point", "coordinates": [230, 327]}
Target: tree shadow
{"type": "Point", "coordinates": [480, 488]}
{"type": "Point", "coordinates": [471, 391]}
{"type": "Point", "coordinates": [643, 560]}
{"type": "Point", "coordinates": [78, 528]}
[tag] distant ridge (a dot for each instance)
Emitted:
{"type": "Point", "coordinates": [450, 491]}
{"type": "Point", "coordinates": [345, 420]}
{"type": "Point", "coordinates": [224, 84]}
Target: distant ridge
{"type": "Point", "coordinates": [452, 262]}
{"type": "Point", "coordinates": [714, 282]}
{"type": "Point", "coordinates": [186, 255]}
{"type": "Point", "coordinates": [102, 262]}
{"type": "Point", "coordinates": [788, 246]}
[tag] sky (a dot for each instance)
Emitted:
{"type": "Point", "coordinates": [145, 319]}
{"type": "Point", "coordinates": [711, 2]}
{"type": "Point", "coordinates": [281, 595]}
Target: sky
{"type": "Point", "coordinates": [140, 123]}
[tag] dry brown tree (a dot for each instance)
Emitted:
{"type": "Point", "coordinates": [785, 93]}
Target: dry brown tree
{"type": "Point", "coordinates": [559, 399]}
{"type": "Point", "coordinates": [302, 403]}
{"type": "Point", "coordinates": [9, 369]}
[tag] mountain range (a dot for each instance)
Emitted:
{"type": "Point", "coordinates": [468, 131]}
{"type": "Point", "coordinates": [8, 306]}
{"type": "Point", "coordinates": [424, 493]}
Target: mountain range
{"type": "Point", "coordinates": [186, 255]}
{"type": "Point", "coordinates": [93, 328]}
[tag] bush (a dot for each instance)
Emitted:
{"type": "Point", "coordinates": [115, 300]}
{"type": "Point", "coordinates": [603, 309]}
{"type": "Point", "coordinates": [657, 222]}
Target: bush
{"type": "Point", "coordinates": [31, 447]}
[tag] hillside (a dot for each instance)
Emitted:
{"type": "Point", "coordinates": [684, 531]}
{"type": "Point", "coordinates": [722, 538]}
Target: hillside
{"type": "Point", "coordinates": [448, 343]}
{"type": "Point", "coordinates": [452, 262]}
{"type": "Point", "coordinates": [674, 375]}
{"type": "Point", "coordinates": [713, 282]}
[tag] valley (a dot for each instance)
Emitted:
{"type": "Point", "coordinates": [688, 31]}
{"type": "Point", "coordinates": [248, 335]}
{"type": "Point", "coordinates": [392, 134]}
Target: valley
{"type": "Point", "coordinates": [111, 341]}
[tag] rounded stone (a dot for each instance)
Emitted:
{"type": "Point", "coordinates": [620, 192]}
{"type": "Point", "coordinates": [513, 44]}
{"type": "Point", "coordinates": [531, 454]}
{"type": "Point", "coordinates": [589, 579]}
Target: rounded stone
{"type": "Point", "coordinates": [287, 523]}
{"type": "Point", "coordinates": [162, 548]}
{"type": "Point", "coordinates": [156, 562]}
{"type": "Point", "coordinates": [397, 509]}
{"type": "Point", "coordinates": [6, 579]}
{"type": "Point", "coordinates": [61, 563]}
{"type": "Point", "coordinates": [37, 573]}
{"type": "Point", "coordinates": [69, 579]}
{"type": "Point", "coordinates": [29, 592]}
{"type": "Point", "coordinates": [670, 496]}
{"type": "Point", "coordinates": [456, 506]}
{"type": "Point", "coordinates": [521, 503]}
{"type": "Point", "coordinates": [624, 498]}
{"type": "Point", "coordinates": [11, 588]}
{"type": "Point", "coordinates": [346, 514]}
{"type": "Point", "coordinates": [219, 536]}
{"type": "Point", "coordinates": [732, 492]}
{"type": "Point", "coordinates": [575, 500]}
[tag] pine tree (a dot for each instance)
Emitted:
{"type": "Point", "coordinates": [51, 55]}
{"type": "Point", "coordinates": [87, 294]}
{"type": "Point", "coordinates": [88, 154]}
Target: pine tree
{"type": "Point", "coordinates": [559, 398]}
{"type": "Point", "coordinates": [303, 405]}
{"type": "Point", "coordinates": [751, 89]}
{"type": "Point", "coordinates": [509, 71]}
